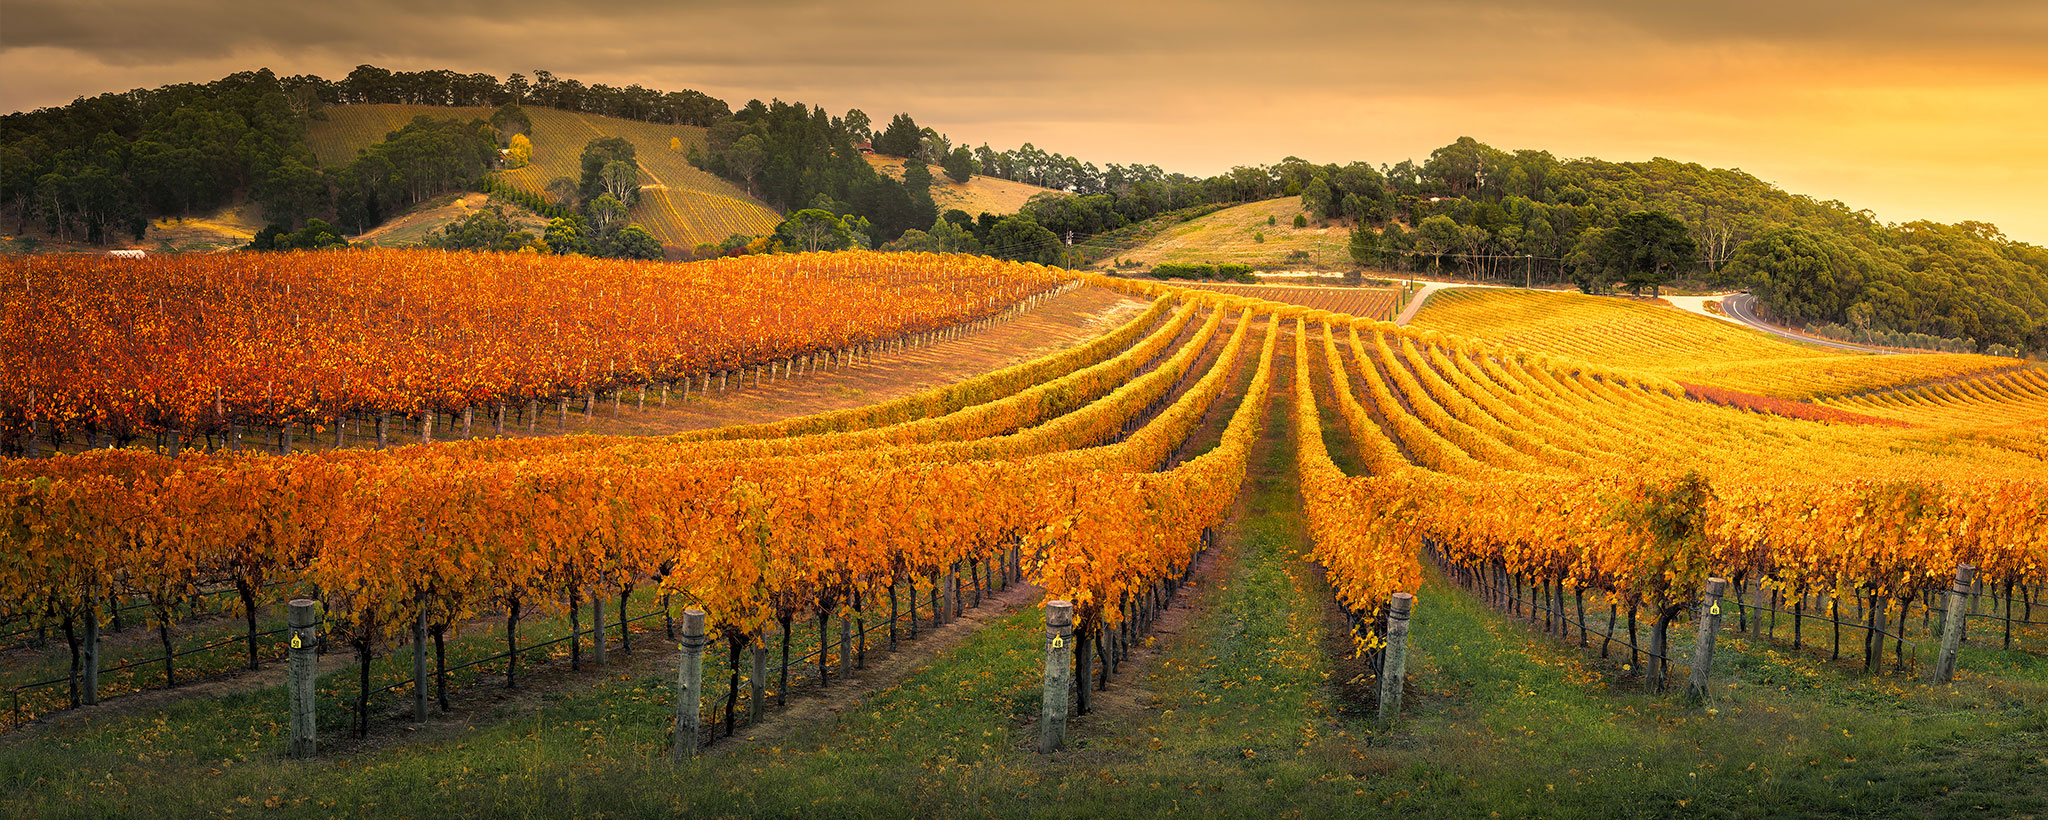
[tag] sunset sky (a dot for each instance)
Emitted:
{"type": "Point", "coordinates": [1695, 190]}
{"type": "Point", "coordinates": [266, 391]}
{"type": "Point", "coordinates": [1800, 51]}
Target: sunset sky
{"type": "Point", "coordinates": [1912, 110]}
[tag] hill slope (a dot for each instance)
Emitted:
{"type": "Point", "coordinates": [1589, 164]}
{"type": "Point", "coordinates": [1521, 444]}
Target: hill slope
{"type": "Point", "coordinates": [681, 205]}
{"type": "Point", "coordinates": [978, 195]}
{"type": "Point", "coordinates": [1682, 346]}
{"type": "Point", "coordinates": [1241, 234]}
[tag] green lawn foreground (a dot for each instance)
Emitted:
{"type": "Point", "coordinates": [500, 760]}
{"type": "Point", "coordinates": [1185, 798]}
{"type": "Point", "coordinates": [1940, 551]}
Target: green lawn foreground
{"type": "Point", "coordinates": [1243, 720]}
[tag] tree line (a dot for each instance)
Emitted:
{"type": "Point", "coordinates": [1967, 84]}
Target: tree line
{"type": "Point", "coordinates": [103, 165]}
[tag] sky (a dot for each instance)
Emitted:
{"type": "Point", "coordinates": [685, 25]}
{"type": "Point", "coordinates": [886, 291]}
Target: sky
{"type": "Point", "coordinates": [1913, 110]}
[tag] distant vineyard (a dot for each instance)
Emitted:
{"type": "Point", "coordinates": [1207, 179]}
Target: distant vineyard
{"type": "Point", "coordinates": [2011, 398]}
{"type": "Point", "coordinates": [195, 343]}
{"type": "Point", "coordinates": [1365, 303]}
{"type": "Point", "coordinates": [1686, 347]}
{"type": "Point", "coordinates": [681, 205]}
{"type": "Point", "coordinates": [349, 128]}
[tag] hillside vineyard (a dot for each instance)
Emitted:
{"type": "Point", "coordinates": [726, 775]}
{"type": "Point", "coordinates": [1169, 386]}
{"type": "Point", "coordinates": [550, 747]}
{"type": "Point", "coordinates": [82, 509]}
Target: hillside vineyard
{"type": "Point", "coordinates": [1082, 471]}
{"type": "Point", "coordinates": [191, 346]}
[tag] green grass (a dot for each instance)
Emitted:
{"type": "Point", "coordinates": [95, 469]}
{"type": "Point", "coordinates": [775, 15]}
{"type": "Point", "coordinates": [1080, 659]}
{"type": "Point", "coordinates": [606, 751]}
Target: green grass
{"type": "Point", "coordinates": [1239, 716]}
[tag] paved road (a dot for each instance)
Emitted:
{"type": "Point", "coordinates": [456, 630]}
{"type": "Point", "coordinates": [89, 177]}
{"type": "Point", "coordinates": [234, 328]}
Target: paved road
{"type": "Point", "coordinates": [1423, 293]}
{"type": "Point", "coordinates": [1742, 307]}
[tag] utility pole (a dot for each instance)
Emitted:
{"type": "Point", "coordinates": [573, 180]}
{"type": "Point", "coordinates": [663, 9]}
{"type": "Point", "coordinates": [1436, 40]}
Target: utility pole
{"type": "Point", "coordinates": [1528, 270]}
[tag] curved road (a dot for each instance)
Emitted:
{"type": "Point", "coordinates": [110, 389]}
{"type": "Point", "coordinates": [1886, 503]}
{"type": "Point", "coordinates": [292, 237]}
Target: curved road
{"type": "Point", "coordinates": [1742, 307]}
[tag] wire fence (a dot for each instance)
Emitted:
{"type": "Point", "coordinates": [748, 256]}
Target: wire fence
{"type": "Point", "coordinates": [1877, 620]}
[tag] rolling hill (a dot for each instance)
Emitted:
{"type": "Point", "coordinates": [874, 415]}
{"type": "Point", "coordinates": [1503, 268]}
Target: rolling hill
{"type": "Point", "coordinates": [979, 194]}
{"type": "Point", "coordinates": [1686, 347]}
{"type": "Point", "coordinates": [681, 205]}
{"type": "Point", "coordinates": [1242, 234]}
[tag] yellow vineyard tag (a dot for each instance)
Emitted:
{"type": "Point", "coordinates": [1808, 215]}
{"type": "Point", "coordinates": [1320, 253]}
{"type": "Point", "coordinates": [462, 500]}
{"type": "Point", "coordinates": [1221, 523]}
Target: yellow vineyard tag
{"type": "Point", "coordinates": [296, 644]}
{"type": "Point", "coordinates": [1715, 609]}
{"type": "Point", "coordinates": [1058, 642]}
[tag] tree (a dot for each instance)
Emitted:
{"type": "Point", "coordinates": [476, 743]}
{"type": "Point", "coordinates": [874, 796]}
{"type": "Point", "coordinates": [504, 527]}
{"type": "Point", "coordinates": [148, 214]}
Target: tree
{"type": "Point", "coordinates": [293, 193]}
{"type": "Point", "coordinates": [488, 230]}
{"type": "Point", "coordinates": [1021, 238]}
{"type": "Point", "coordinates": [917, 179]}
{"type": "Point", "coordinates": [745, 159]}
{"type": "Point", "coordinates": [901, 139]}
{"type": "Point", "coordinates": [1588, 269]}
{"type": "Point", "coordinates": [621, 180]}
{"type": "Point", "coordinates": [520, 154]}
{"type": "Point", "coordinates": [1438, 235]}
{"type": "Point", "coordinates": [633, 242]}
{"type": "Point", "coordinates": [954, 236]}
{"type": "Point", "coordinates": [565, 235]}
{"type": "Point", "coordinates": [913, 240]}
{"type": "Point", "coordinates": [857, 125]}
{"type": "Point", "coordinates": [1317, 199]}
{"type": "Point", "coordinates": [1647, 248]}
{"type": "Point", "coordinates": [1799, 275]}
{"type": "Point", "coordinates": [1365, 245]}
{"type": "Point", "coordinates": [596, 155]}
{"type": "Point", "coordinates": [606, 215]}
{"type": "Point", "coordinates": [510, 120]}
{"type": "Point", "coordinates": [814, 230]}
{"type": "Point", "coordinates": [562, 191]}
{"type": "Point", "coordinates": [960, 164]}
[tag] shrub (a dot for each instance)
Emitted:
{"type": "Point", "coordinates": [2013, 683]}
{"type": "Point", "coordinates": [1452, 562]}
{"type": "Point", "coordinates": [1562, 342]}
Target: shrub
{"type": "Point", "coordinates": [1300, 221]}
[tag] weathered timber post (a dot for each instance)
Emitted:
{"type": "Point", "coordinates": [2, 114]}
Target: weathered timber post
{"type": "Point", "coordinates": [1873, 635]}
{"type": "Point", "coordinates": [304, 663]}
{"type": "Point", "coordinates": [1703, 647]}
{"type": "Point", "coordinates": [383, 433]}
{"type": "Point", "coordinates": [757, 681]}
{"type": "Point", "coordinates": [1394, 669]}
{"type": "Point", "coordinates": [419, 664]}
{"type": "Point", "coordinates": [1952, 623]}
{"type": "Point", "coordinates": [845, 645]}
{"type": "Point", "coordinates": [1660, 648]}
{"type": "Point", "coordinates": [689, 686]}
{"type": "Point", "coordinates": [597, 627]}
{"type": "Point", "coordinates": [91, 648]}
{"type": "Point", "coordinates": [1059, 674]}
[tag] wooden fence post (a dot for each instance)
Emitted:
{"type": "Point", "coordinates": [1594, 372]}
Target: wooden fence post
{"type": "Point", "coordinates": [689, 686]}
{"type": "Point", "coordinates": [597, 626]}
{"type": "Point", "coordinates": [1394, 670]}
{"type": "Point", "coordinates": [1059, 674]}
{"type": "Point", "coordinates": [757, 681]}
{"type": "Point", "coordinates": [304, 664]}
{"type": "Point", "coordinates": [845, 645]}
{"type": "Point", "coordinates": [91, 650]}
{"type": "Point", "coordinates": [1953, 621]}
{"type": "Point", "coordinates": [1703, 649]}
{"type": "Point", "coordinates": [419, 663]}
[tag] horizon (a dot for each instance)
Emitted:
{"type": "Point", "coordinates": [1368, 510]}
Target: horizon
{"type": "Point", "coordinates": [1908, 112]}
